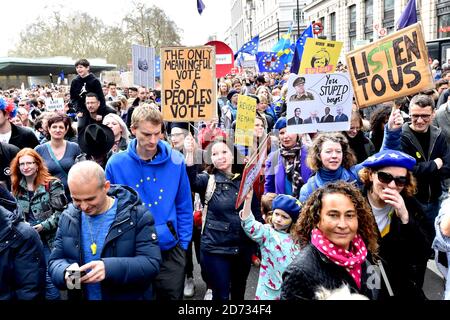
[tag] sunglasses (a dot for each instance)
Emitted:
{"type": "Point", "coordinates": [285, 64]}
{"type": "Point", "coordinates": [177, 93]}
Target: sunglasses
{"type": "Point", "coordinates": [386, 178]}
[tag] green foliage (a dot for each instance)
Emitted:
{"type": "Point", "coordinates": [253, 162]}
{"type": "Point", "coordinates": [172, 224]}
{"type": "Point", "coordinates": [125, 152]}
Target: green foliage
{"type": "Point", "coordinates": [79, 35]}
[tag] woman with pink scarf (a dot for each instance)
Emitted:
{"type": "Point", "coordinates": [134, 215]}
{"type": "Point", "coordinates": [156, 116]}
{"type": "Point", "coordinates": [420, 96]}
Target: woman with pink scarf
{"type": "Point", "coordinates": [338, 237]}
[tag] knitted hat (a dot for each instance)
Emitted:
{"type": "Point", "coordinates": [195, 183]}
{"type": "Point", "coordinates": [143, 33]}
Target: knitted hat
{"type": "Point", "coordinates": [390, 158]}
{"type": "Point", "coordinates": [288, 204]}
{"type": "Point", "coordinates": [280, 124]}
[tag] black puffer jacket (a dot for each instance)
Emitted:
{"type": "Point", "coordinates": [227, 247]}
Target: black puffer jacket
{"type": "Point", "coordinates": [311, 270]}
{"type": "Point", "coordinates": [22, 263]}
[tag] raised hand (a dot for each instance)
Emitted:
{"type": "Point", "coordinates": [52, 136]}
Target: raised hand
{"type": "Point", "coordinates": [394, 198]}
{"type": "Point", "coordinates": [395, 121]}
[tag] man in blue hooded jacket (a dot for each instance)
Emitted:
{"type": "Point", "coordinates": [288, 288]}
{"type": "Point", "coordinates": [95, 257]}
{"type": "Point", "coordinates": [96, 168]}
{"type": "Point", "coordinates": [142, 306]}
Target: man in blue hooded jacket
{"type": "Point", "coordinates": [158, 174]}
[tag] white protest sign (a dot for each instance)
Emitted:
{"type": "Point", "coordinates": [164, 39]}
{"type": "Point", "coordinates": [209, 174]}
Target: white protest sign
{"type": "Point", "coordinates": [54, 104]}
{"type": "Point", "coordinates": [319, 102]}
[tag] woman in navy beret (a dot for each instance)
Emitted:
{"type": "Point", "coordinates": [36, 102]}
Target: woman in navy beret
{"type": "Point", "coordinates": [389, 187]}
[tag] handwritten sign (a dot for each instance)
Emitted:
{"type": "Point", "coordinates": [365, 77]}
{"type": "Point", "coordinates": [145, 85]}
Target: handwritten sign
{"type": "Point", "coordinates": [319, 102]}
{"type": "Point", "coordinates": [245, 120]}
{"type": "Point", "coordinates": [392, 67]}
{"type": "Point", "coordinates": [252, 171]}
{"type": "Point", "coordinates": [320, 56]}
{"type": "Point", "coordinates": [54, 104]}
{"type": "Point", "coordinates": [188, 83]}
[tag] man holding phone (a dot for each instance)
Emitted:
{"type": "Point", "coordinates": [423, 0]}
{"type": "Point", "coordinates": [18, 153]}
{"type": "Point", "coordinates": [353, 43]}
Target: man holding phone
{"type": "Point", "coordinates": [106, 244]}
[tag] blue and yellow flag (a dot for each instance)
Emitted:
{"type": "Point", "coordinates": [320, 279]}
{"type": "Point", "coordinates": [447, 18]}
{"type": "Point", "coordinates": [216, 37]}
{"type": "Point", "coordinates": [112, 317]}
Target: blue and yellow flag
{"type": "Point", "coordinates": [282, 48]}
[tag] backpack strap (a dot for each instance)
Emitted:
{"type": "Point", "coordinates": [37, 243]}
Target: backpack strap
{"type": "Point", "coordinates": [208, 195]}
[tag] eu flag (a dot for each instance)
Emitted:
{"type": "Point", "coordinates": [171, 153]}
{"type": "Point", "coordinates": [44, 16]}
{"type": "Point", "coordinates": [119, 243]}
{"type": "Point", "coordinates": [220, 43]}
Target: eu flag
{"type": "Point", "coordinates": [200, 6]}
{"type": "Point", "coordinates": [158, 67]}
{"type": "Point", "coordinates": [250, 47]}
{"type": "Point", "coordinates": [269, 62]}
{"type": "Point", "coordinates": [299, 46]}
{"type": "Point", "coordinates": [409, 15]}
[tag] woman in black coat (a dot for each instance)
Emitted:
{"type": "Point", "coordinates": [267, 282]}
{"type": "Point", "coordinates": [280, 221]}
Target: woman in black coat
{"type": "Point", "coordinates": [337, 233]}
{"type": "Point", "coordinates": [225, 249]}
{"type": "Point", "coordinates": [405, 245]}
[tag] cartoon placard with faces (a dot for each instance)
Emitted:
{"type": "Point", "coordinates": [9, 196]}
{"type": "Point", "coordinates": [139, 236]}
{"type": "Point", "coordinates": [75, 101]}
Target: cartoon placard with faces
{"type": "Point", "coordinates": [319, 102]}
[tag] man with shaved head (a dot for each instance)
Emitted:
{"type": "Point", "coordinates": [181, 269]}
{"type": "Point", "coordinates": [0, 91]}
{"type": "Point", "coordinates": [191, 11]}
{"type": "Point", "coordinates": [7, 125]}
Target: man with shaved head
{"type": "Point", "coordinates": [106, 244]}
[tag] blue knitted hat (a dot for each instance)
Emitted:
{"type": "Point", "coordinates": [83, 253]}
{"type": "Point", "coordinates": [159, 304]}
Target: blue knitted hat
{"type": "Point", "coordinates": [288, 204]}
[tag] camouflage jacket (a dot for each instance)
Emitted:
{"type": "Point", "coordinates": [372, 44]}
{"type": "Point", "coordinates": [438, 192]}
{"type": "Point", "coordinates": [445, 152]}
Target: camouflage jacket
{"type": "Point", "coordinates": [46, 205]}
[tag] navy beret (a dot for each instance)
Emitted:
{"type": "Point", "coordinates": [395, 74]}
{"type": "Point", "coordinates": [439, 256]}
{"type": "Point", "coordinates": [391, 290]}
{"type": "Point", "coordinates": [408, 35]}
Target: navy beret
{"type": "Point", "coordinates": [231, 94]}
{"type": "Point", "coordinates": [288, 204]}
{"type": "Point", "coordinates": [390, 158]}
{"type": "Point", "coordinates": [281, 123]}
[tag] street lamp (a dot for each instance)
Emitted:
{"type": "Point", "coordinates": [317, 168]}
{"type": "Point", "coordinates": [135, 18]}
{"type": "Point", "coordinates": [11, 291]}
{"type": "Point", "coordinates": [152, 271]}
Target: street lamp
{"type": "Point", "coordinates": [235, 35]}
{"type": "Point", "coordinates": [278, 28]}
{"type": "Point", "coordinates": [298, 21]}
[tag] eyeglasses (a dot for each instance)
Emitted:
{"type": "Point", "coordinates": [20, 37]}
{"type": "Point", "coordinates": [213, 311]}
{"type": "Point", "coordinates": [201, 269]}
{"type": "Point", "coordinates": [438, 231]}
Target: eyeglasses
{"type": "Point", "coordinates": [176, 134]}
{"type": "Point", "coordinates": [22, 105]}
{"type": "Point", "coordinates": [425, 117]}
{"type": "Point", "coordinates": [27, 164]}
{"type": "Point", "coordinates": [386, 178]}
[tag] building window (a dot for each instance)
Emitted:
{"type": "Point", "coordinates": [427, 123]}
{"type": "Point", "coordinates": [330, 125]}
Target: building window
{"type": "Point", "coordinates": [368, 13]}
{"type": "Point", "coordinates": [298, 15]}
{"type": "Point", "coordinates": [352, 25]}
{"type": "Point", "coordinates": [333, 25]}
{"type": "Point", "coordinates": [388, 20]}
{"type": "Point", "coordinates": [444, 25]}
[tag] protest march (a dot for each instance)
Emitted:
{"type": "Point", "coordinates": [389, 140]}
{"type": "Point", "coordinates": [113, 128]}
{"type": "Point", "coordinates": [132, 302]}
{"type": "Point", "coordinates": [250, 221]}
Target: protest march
{"type": "Point", "coordinates": [310, 170]}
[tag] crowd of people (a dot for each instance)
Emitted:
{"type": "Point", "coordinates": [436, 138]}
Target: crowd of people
{"type": "Point", "coordinates": [105, 200]}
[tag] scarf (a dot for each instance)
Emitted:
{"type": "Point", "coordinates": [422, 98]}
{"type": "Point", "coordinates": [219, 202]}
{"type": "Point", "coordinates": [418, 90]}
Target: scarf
{"type": "Point", "coordinates": [291, 162]}
{"type": "Point", "coordinates": [350, 260]}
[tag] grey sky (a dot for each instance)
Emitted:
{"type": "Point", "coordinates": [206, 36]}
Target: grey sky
{"type": "Point", "coordinates": [196, 28]}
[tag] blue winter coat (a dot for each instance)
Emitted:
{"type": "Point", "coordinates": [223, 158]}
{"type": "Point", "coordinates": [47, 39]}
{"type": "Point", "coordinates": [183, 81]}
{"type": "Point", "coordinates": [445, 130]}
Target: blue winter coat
{"type": "Point", "coordinates": [131, 253]}
{"type": "Point", "coordinates": [22, 263]}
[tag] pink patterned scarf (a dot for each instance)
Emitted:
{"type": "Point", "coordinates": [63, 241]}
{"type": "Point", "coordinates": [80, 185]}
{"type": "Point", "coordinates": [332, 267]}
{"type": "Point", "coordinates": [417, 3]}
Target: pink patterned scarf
{"type": "Point", "coordinates": [350, 260]}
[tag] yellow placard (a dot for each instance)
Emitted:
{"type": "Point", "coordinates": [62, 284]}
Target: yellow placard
{"type": "Point", "coordinates": [188, 77]}
{"type": "Point", "coordinates": [245, 122]}
{"type": "Point", "coordinates": [392, 67]}
{"type": "Point", "coordinates": [320, 56]}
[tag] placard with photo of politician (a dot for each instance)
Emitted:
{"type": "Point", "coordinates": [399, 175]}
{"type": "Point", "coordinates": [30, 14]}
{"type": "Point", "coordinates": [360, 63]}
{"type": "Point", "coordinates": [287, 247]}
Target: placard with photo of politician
{"type": "Point", "coordinates": [327, 117]}
{"type": "Point", "coordinates": [296, 118]}
{"type": "Point", "coordinates": [313, 118]}
{"type": "Point", "coordinates": [301, 94]}
{"type": "Point", "coordinates": [340, 116]}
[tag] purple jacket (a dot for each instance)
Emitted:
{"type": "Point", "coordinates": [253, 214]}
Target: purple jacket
{"type": "Point", "coordinates": [275, 173]}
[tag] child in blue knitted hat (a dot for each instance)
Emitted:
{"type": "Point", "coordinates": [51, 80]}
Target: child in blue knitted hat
{"type": "Point", "coordinates": [278, 248]}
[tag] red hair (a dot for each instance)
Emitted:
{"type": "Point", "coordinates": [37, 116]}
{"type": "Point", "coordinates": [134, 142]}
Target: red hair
{"type": "Point", "coordinates": [42, 177]}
